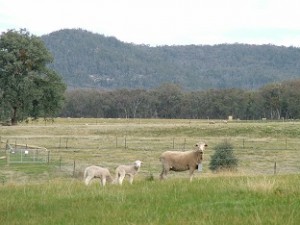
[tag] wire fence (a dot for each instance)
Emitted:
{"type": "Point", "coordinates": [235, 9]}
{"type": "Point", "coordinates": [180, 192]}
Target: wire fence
{"type": "Point", "coordinates": [70, 155]}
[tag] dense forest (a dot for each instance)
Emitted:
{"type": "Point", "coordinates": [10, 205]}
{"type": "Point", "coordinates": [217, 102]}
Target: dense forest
{"type": "Point", "coordinates": [272, 101]}
{"type": "Point", "coordinates": [109, 78]}
{"type": "Point", "coordinates": [89, 60]}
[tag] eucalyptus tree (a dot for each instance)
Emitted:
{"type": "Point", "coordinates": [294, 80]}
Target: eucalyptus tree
{"type": "Point", "coordinates": [272, 95]}
{"type": "Point", "coordinates": [291, 99]}
{"type": "Point", "coordinates": [169, 99]}
{"type": "Point", "coordinates": [28, 88]}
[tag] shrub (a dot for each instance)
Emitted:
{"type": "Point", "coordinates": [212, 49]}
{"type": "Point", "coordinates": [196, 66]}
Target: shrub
{"type": "Point", "coordinates": [223, 157]}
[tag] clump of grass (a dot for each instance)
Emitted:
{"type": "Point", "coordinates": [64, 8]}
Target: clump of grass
{"type": "Point", "coordinates": [150, 177]}
{"type": "Point", "coordinates": [263, 184]}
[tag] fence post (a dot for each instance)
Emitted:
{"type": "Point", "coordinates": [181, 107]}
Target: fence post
{"type": "Point", "coordinates": [48, 158]}
{"type": "Point", "coordinates": [60, 161]}
{"type": "Point", "coordinates": [67, 142]}
{"type": "Point", "coordinates": [74, 162]}
{"type": "Point", "coordinates": [275, 168]}
{"type": "Point", "coordinates": [125, 143]}
{"type": "Point", "coordinates": [173, 143]}
{"type": "Point", "coordinates": [74, 168]}
{"type": "Point", "coordinates": [21, 151]}
{"type": "Point", "coordinates": [7, 155]}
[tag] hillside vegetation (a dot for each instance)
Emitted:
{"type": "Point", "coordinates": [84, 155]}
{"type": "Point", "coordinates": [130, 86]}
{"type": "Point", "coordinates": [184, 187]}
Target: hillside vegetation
{"type": "Point", "coordinates": [86, 59]}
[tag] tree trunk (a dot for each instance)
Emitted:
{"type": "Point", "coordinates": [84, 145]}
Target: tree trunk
{"type": "Point", "coordinates": [14, 119]}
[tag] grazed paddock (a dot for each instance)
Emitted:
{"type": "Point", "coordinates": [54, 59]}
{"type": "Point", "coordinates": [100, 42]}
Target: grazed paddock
{"type": "Point", "coordinates": [42, 193]}
{"type": "Point", "coordinates": [77, 143]}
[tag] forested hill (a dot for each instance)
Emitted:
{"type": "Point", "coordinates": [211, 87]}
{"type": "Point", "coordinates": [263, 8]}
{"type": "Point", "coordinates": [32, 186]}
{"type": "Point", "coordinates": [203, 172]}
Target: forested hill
{"type": "Point", "coordinates": [86, 59]}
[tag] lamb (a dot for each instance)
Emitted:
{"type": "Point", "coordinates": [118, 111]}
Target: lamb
{"type": "Point", "coordinates": [130, 170]}
{"type": "Point", "coordinates": [182, 161]}
{"type": "Point", "coordinates": [97, 172]}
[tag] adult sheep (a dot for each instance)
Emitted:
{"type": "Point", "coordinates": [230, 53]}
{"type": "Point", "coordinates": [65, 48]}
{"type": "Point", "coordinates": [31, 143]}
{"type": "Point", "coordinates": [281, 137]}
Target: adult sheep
{"type": "Point", "coordinates": [182, 161]}
{"type": "Point", "coordinates": [130, 170]}
{"type": "Point", "coordinates": [92, 172]}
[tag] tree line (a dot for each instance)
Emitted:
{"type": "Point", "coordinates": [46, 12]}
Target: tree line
{"type": "Point", "coordinates": [30, 88]}
{"type": "Point", "coordinates": [272, 101]}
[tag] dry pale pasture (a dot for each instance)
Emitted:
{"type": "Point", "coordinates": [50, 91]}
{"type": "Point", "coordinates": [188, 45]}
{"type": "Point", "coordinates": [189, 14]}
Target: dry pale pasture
{"type": "Point", "coordinates": [262, 147]}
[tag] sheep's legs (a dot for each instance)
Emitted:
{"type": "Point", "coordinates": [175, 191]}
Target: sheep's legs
{"type": "Point", "coordinates": [88, 179]}
{"type": "Point", "coordinates": [121, 178]}
{"type": "Point", "coordinates": [191, 175]}
{"type": "Point", "coordinates": [130, 179]}
{"type": "Point", "coordinates": [163, 173]}
{"type": "Point", "coordinates": [103, 181]}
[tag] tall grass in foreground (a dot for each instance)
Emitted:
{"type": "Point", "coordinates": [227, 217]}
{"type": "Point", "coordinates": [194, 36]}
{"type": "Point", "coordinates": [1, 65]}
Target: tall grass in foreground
{"type": "Point", "coordinates": [207, 200]}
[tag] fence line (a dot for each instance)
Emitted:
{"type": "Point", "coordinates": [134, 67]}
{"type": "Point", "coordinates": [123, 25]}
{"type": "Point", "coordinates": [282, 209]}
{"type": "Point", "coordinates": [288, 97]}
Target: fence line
{"type": "Point", "coordinates": [255, 156]}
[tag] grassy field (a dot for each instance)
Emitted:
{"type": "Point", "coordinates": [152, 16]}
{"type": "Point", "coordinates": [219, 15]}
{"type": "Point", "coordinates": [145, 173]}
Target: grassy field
{"type": "Point", "coordinates": [214, 200]}
{"type": "Point", "coordinates": [52, 191]}
{"type": "Point", "coordinates": [109, 142]}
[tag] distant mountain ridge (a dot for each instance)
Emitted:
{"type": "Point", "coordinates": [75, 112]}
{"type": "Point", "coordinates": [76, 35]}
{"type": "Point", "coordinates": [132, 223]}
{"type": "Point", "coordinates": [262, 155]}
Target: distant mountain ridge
{"type": "Point", "coordinates": [89, 60]}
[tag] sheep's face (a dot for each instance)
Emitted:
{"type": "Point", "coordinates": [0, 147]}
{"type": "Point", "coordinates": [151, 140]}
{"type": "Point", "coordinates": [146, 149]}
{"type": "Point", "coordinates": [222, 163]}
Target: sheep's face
{"type": "Point", "coordinates": [201, 146]}
{"type": "Point", "coordinates": [201, 156]}
{"type": "Point", "coordinates": [137, 163]}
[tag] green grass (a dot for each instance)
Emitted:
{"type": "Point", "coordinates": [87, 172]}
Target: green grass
{"type": "Point", "coordinates": [210, 200]}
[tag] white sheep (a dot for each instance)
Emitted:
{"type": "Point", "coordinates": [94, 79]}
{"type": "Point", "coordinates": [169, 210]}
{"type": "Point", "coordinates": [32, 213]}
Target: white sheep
{"type": "Point", "coordinates": [182, 161]}
{"type": "Point", "coordinates": [130, 170]}
{"type": "Point", "coordinates": [92, 172]}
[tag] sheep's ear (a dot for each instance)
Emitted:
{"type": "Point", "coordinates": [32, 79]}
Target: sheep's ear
{"type": "Point", "coordinates": [205, 145]}
{"type": "Point", "coordinates": [196, 145]}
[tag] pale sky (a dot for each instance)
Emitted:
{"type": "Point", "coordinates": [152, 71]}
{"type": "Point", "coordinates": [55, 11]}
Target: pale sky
{"type": "Point", "coordinates": [162, 22]}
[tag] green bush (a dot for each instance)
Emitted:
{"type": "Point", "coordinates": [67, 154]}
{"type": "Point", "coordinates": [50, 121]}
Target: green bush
{"type": "Point", "coordinates": [223, 158]}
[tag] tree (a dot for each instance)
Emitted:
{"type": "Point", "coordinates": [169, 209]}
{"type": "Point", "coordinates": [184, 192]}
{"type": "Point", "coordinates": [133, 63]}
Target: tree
{"type": "Point", "coordinates": [272, 96]}
{"type": "Point", "coordinates": [291, 99]}
{"type": "Point", "coordinates": [28, 88]}
{"type": "Point", "coordinates": [170, 96]}
{"type": "Point", "coordinates": [223, 158]}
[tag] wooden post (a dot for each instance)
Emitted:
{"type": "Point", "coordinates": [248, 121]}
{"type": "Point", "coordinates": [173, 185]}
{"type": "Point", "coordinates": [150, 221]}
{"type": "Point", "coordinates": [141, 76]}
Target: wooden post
{"type": "Point", "coordinates": [60, 160]}
{"type": "Point", "coordinates": [67, 142]}
{"type": "Point", "coordinates": [7, 155]}
{"type": "Point", "coordinates": [48, 159]}
{"type": "Point", "coordinates": [74, 168]}
{"type": "Point", "coordinates": [125, 143]}
{"type": "Point", "coordinates": [173, 143]}
{"type": "Point", "coordinates": [275, 168]}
